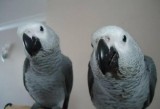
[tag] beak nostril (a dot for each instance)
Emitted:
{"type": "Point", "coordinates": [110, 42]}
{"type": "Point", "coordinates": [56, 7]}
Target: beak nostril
{"type": "Point", "coordinates": [107, 38]}
{"type": "Point", "coordinates": [28, 31]}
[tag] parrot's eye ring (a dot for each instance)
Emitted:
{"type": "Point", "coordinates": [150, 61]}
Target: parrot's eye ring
{"type": "Point", "coordinates": [124, 38]}
{"type": "Point", "coordinates": [41, 28]}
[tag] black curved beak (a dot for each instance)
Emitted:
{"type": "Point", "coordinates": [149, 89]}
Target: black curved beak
{"type": "Point", "coordinates": [107, 58]}
{"type": "Point", "coordinates": [32, 45]}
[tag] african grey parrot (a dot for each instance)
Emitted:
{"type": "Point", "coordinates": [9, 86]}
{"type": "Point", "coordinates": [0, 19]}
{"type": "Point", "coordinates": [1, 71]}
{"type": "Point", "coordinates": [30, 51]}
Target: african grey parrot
{"type": "Point", "coordinates": [47, 72]}
{"type": "Point", "coordinates": [119, 75]}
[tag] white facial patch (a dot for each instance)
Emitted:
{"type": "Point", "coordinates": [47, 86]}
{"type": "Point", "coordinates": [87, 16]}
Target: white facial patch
{"type": "Point", "coordinates": [112, 35]}
{"type": "Point", "coordinates": [33, 29]}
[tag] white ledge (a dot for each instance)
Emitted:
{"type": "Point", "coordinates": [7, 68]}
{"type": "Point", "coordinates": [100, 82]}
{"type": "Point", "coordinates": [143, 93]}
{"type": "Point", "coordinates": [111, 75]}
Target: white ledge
{"type": "Point", "coordinates": [15, 23]}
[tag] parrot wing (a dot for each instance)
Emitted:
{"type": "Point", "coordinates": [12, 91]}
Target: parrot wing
{"type": "Point", "coordinates": [25, 68]}
{"type": "Point", "coordinates": [68, 73]}
{"type": "Point", "coordinates": [151, 70]}
{"type": "Point", "coordinates": [90, 80]}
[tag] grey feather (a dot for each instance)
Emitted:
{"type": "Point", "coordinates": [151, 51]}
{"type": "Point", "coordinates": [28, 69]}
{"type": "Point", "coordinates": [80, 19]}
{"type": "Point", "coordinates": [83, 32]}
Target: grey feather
{"type": "Point", "coordinates": [90, 80]}
{"type": "Point", "coordinates": [135, 81]}
{"type": "Point", "coordinates": [50, 88]}
{"type": "Point", "coordinates": [26, 65]}
{"type": "Point", "coordinates": [67, 64]}
{"type": "Point", "coordinates": [25, 68]}
{"type": "Point", "coordinates": [152, 72]}
{"type": "Point", "coordinates": [47, 73]}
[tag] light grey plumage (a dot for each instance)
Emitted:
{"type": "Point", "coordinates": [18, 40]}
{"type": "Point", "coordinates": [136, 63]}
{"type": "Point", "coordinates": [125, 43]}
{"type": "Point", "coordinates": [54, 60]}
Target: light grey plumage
{"type": "Point", "coordinates": [119, 75]}
{"type": "Point", "coordinates": [47, 72]}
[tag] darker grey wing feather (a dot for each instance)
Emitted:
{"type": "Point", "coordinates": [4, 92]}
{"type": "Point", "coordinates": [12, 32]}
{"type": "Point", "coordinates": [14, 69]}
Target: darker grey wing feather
{"type": "Point", "coordinates": [90, 80]}
{"type": "Point", "coordinates": [25, 68]}
{"type": "Point", "coordinates": [151, 69]}
{"type": "Point", "coordinates": [68, 73]}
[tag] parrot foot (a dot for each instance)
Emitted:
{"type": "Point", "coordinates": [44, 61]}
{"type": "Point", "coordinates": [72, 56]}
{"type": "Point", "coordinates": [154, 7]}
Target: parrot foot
{"type": "Point", "coordinates": [8, 104]}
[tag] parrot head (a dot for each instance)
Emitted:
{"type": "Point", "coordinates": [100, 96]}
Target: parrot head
{"type": "Point", "coordinates": [37, 38]}
{"type": "Point", "coordinates": [116, 52]}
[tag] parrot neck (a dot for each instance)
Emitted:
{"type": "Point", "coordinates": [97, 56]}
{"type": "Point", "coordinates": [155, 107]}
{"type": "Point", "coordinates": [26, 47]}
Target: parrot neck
{"type": "Point", "coordinates": [47, 63]}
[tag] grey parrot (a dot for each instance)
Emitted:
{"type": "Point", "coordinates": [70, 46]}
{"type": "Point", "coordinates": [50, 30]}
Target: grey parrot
{"type": "Point", "coordinates": [120, 76]}
{"type": "Point", "coordinates": [47, 72]}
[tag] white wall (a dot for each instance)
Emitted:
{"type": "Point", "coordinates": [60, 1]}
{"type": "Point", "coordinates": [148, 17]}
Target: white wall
{"type": "Point", "coordinates": [11, 10]}
{"type": "Point", "coordinates": [76, 20]}
{"type": "Point", "coordinates": [11, 75]}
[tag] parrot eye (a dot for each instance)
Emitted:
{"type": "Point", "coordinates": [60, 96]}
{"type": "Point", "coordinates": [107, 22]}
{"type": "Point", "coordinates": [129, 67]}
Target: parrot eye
{"type": "Point", "coordinates": [41, 28]}
{"type": "Point", "coordinates": [124, 38]}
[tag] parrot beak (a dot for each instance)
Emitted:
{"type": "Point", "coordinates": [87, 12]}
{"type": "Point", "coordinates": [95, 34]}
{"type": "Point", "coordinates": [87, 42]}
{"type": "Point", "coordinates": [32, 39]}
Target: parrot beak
{"type": "Point", "coordinates": [107, 58]}
{"type": "Point", "coordinates": [32, 45]}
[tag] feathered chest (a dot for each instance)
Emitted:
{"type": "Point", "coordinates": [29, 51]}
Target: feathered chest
{"type": "Point", "coordinates": [116, 93]}
{"type": "Point", "coordinates": [45, 88]}
{"type": "Point", "coordinates": [37, 80]}
{"type": "Point", "coordinates": [119, 94]}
